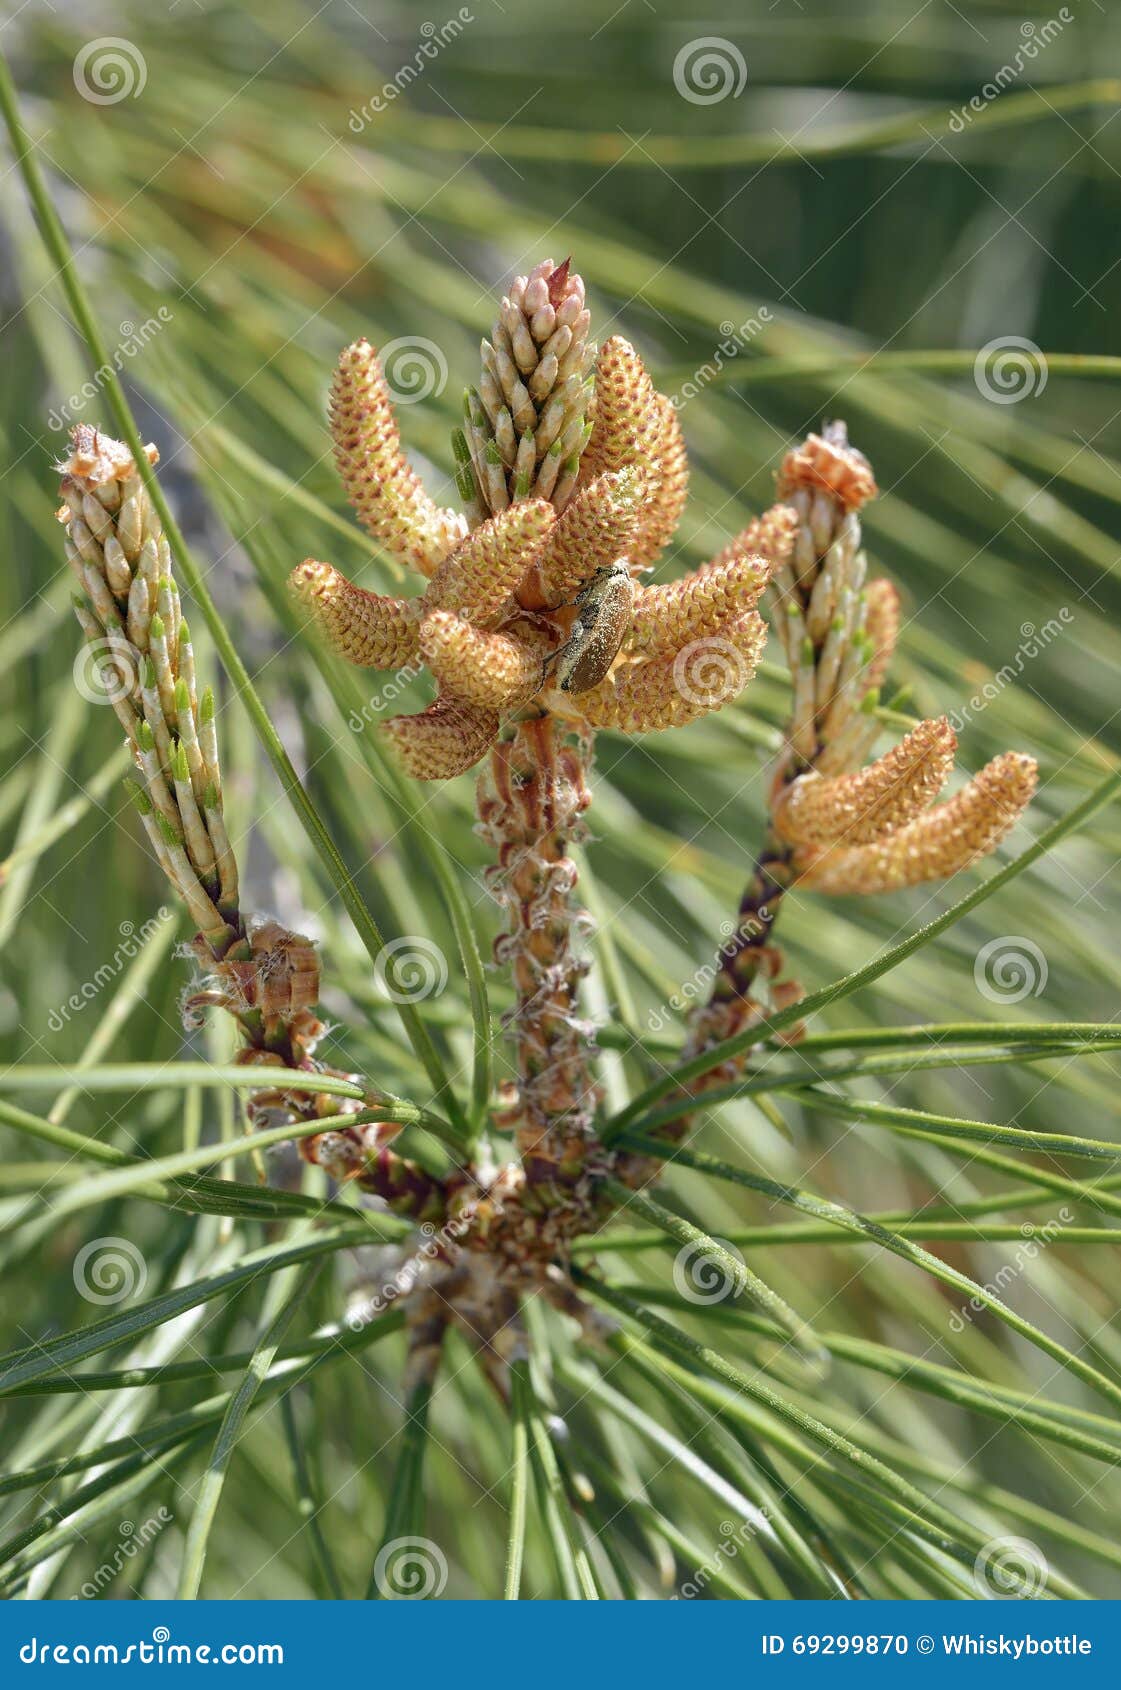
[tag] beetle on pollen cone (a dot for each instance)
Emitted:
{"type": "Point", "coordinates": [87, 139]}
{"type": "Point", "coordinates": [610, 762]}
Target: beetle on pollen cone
{"type": "Point", "coordinates": [606, 607]}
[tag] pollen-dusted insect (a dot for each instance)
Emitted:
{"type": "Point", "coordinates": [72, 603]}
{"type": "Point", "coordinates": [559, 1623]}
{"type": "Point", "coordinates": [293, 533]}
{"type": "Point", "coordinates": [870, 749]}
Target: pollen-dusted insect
{"type": "Point", "coordinates": [606, 605]}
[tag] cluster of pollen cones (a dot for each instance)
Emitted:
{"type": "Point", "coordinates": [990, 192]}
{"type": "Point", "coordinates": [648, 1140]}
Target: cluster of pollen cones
{"type": "Point", "coordinates": [513, 585]}
{"type": "Point", "coordinates": [847, 826]}
{"type": "Point", "coordinates": [839, 824]}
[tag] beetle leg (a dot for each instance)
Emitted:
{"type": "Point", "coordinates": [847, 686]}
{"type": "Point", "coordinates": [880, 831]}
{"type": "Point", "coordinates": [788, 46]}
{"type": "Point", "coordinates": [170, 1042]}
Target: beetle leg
{"type": "Point", "coordinates": [576, 634]}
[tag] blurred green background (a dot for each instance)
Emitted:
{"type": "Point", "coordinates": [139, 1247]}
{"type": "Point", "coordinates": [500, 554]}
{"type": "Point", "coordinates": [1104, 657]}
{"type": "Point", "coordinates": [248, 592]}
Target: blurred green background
{"type": "Point", "coordinates": [248, 187]}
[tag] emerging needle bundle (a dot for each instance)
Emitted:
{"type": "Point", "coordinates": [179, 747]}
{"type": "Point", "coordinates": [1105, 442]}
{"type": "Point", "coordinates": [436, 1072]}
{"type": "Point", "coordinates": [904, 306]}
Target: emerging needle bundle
{"type": "Point", "coordinates": [142, 662]}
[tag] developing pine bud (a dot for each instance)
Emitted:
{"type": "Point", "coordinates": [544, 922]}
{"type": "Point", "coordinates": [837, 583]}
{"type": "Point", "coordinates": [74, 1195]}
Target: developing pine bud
{"type": "Point", "coordinates": [531, 396]}
{"type": "Point", "coordinates": [124, 556]}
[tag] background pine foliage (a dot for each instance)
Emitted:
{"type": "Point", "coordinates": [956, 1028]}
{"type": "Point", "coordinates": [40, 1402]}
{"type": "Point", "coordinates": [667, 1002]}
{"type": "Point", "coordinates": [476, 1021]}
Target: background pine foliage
{"type": "Point", "coordinates": [234, 196]}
